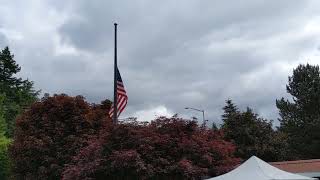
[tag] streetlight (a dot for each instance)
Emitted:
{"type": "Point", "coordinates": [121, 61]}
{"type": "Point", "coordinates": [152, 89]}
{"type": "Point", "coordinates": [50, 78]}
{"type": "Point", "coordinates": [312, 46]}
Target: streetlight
{"type": "Point", "coordinates": [204, 121]}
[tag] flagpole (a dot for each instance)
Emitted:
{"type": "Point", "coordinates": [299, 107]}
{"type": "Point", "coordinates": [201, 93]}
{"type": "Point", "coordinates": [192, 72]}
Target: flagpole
{"type": "Point", "coordinates": [115, 95]}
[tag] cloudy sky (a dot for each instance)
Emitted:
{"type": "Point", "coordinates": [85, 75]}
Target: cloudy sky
{"type": "Point", "coordinates": [172, 54]}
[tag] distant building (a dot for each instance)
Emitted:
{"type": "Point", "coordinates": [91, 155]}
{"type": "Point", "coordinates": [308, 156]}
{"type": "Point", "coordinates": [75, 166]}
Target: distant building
{"type": "Point", "coordinates": [309, 168]}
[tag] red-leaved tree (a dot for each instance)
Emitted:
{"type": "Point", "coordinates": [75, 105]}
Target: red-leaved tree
{"type": "Point", "coordinates": [167, 148]}
{"type": "Point", "coordinates": [50, 132]}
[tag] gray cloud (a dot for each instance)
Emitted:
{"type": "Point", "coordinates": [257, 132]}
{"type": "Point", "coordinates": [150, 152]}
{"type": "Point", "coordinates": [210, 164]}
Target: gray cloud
{"type": "Point", "coordinates": [3, 40]}
{"type": "Point", "coordinates": [172, 54]}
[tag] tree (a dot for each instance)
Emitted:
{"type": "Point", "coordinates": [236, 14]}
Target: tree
{"type": "Point", "coordinates": [19, 93]}
{"type": "Point", "coordinates": [230, 110]}
{"type": "Point", "coordinates": [4, 143]}
{"type": "Point", "coordinates": [251, 134]}
{"type": "Point", "coordinates": [229, 118]}
{"type": "Point", "coordinates": [4, 158]}
{"type": "Point", "coordinates": [214, 127]}
{"type": "Point", "coordinates": [167, 148]}
{"type": "Point", "coordinates": [300, 117]}
{"type": "Point", "coordinates": [51, 131]}
{"type": "Point", "coordinates": [3, 123]}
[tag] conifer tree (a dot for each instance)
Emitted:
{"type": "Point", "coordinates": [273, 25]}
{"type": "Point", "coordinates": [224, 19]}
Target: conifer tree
{"type": "Point", "coordinates": [230, 110]}
{"type": "Point", "coordinates": [300, 117]}
{"type": "Point", "coordinates": [251, 134]}
{"type": "Point", "coordinates": [18, 93]}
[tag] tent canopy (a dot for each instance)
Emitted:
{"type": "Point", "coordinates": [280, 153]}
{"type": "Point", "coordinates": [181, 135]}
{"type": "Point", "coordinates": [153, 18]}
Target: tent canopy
{"type": "Point", "coordinates": [256, 169]}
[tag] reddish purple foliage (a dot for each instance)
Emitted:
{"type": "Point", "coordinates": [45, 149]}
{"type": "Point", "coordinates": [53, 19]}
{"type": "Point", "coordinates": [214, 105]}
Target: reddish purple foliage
{"type": "Point", "coordinates": [169, 148]}
{"type": "Point", "coordinates": [51, 142]}
{"type": "Point", "coordinates": [52, 131]}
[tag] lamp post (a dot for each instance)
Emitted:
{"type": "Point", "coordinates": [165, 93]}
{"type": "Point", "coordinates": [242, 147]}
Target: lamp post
{"type": "Point", "coordinates": [204, 121]}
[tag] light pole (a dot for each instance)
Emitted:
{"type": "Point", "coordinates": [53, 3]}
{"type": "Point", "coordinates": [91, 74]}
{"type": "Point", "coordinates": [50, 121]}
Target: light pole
{"type": "Point", "coordinates": [204, 121]}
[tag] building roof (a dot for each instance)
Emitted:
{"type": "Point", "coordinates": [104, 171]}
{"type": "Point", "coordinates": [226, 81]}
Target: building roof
{"type": "Point", "coordinates": [301, 166]}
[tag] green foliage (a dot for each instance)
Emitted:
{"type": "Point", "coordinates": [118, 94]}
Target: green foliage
{"type": "Point", "coordinates": [214, 126]}
{"type": "Point", "coordinates": [252, 134]}
{"type": "Point", "coordinates": [4, 142]}
{"type": "Point", "coordinates": [3, 124]}
{"type": "Point", "coordinates": [300, 118]}
{"type": "Point", "coordinates": [230, 111]}
{"type": "Point", "coordinates": [4, 158]}
{"type": "Point", "coordinates": [8, 67]}
{"type": "Point", "coordinates": [18, 93]}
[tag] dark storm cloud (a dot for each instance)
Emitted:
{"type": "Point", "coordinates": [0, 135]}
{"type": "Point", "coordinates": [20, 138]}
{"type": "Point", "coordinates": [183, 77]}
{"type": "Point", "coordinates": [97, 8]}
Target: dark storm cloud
{"type": "Point", "coordinates": [172, 54]}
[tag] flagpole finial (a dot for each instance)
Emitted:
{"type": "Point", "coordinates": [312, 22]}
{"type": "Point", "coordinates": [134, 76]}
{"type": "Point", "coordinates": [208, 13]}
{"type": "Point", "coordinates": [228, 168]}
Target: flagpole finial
{"type": "Point", "coordinates": [115, 24]}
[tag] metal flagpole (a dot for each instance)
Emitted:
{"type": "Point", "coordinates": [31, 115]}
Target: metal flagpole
{"type": "Point", "coordinates": [115, 95]}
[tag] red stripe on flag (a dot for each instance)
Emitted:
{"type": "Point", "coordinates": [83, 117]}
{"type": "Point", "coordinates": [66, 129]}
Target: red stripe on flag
{"type": "Point", "coordinates": [122, 100]}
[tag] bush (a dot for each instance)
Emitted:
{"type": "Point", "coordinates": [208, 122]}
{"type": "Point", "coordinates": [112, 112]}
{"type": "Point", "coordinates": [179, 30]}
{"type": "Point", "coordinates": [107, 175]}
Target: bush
{"type": "Point", "coordinates": [4, 143]}
{"type": "Point", "coordinates": [4, 158]}
{"type": "Point", "coordinates": [52, 131]}
{"type": "Point", "coordinates": [167, 148]}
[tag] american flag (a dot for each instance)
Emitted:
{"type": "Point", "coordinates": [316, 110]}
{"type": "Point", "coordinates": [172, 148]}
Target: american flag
{"type": "Point", "coordinates": [122, 97]}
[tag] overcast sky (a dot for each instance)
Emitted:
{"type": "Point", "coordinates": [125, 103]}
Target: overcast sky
{"type": "Point", "coordinates": [171, 54]}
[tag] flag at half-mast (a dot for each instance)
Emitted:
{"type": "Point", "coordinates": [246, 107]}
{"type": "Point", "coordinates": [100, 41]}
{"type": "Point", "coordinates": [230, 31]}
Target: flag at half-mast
{"type": "Point", "coordinates": [122, 97]}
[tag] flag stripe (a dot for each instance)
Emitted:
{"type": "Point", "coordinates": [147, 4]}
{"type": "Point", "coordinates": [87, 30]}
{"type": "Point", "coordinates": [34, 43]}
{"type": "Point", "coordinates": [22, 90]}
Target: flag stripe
{"type": "Point", "coordinates": [122, 98]}
{"type": "Point", "coordinates": [121, 103]}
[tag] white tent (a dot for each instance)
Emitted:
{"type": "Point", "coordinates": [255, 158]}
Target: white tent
{"type": "Point", "coordinates": [256, 169]}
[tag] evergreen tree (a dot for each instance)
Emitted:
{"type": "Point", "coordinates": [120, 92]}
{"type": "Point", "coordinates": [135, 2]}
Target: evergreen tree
{"type": "Point", "coordinates": [214, 126]}
{"type": "Point", "coordinates": [251, 134]}
{"type": "Point", "coordinates": [230, 110]}
{"type": "Point", "coordinates": [18, 93]}
{"type": "Point", "coordinates": [300, 117]}
{"type": "Point", "coordinates": [229, 117]}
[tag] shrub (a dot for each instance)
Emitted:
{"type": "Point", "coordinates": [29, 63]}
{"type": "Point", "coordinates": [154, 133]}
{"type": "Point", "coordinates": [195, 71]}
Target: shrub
{"type": "Point", "coordinates": [52, 131]}
{"type": "Point", "coordinates": [4, 158]}
{"type": "Point", "coordinates": [167, 148]}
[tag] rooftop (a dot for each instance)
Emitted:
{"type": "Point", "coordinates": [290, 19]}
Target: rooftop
{"type": "Point", "coordinates": [300, 166]}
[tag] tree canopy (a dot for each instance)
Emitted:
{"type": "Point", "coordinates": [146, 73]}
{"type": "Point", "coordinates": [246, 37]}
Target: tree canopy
{"type": "Point", "coordinates": [252, 134]}
{"type": "Point", "coordinates": [18, 93]}
{"type": "Point", "coordinates": [167, 148]}
{"type": "Point", "coordinates": [300, 116]}
{"type": "Point", "coordinates": [4, 143]}
{"type": "Point", "coordinates": [3, 123]}
{"type": "Point", "coordinates": [63, 137]}
{"type": "Point", "coordinates": [51, 131]}
{"type": "Point", "coordinates": [73, 139]}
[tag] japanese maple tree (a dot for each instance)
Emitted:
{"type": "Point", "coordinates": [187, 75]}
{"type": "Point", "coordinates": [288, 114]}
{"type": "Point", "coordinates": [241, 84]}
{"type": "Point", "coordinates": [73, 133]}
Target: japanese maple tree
{"type": "Point", "coordinates": [166, 148]}
{"type": "Point", "coordinates": [50, 132]}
